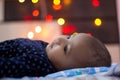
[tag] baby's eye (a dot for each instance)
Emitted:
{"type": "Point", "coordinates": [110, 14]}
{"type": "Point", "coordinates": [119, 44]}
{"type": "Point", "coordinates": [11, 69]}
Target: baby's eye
{"type": "Point", "coordinates": [65, 49]}
{"type": "Point", "coordinates": [68, 37]}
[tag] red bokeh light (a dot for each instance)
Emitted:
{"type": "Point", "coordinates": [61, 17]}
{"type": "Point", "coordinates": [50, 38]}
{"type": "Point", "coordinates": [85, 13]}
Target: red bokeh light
{"type": "Point", "coordinates": [27, 17]}
{"type": "Point", "coordinates": [95, 3]}
{"type": "Point", "coordinates": [68, 29]}
{"type": "Point", "coordinates": [49, 17]}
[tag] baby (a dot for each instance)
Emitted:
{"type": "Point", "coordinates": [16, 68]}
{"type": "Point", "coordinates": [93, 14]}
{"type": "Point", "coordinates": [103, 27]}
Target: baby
{"type": "Point", "coordinates": [24, 57]}
{"type": "Point", "coordinates": [77, 51]}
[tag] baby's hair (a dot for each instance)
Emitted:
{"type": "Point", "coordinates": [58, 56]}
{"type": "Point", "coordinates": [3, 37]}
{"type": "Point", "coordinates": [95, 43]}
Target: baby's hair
{"type": "Point", "coordinates": [100, 53]}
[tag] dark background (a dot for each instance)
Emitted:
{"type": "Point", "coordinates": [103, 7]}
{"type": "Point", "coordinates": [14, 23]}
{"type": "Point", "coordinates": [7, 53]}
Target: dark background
{"type": "Point", "coordinates": [80, 14]}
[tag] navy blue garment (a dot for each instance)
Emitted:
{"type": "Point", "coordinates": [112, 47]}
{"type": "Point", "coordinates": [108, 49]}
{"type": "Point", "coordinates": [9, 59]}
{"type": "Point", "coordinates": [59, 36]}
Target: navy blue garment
{"type": "Point", "coordinates": [24, 57]}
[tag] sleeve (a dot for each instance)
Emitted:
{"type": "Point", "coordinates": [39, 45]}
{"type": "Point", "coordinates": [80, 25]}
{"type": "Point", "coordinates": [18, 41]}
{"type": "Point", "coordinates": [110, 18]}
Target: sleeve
{"type": "Point", "coordinates": [23, 57]}
{"type": "Point", "coordinates": [8, 48]}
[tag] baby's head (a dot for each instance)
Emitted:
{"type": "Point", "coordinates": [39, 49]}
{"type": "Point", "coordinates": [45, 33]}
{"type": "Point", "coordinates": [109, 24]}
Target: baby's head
{"type": "Point", "coordinates": [77, 51]}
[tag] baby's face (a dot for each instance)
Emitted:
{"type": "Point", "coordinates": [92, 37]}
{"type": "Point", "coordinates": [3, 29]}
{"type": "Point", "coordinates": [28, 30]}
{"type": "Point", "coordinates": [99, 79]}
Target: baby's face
{"type": "Point", "coordinates": [66, 52]}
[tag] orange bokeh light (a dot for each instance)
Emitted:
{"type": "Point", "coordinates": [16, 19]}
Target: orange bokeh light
{"type": "Point", "coordinates": [57, 7]}
{"type": "Point", "coordinates": [35, 13]}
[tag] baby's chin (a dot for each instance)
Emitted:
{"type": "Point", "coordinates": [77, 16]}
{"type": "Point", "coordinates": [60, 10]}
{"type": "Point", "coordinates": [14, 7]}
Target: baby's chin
{"type": "Point", "coordinates": [47, 48]}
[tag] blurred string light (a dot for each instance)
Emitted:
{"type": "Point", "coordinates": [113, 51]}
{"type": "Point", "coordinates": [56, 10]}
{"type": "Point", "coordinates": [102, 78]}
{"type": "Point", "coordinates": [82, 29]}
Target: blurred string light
{"type": "Point", "coordinates": [38, 29]}
{"type": "Point", "coordinates": [30, 35]}
{"type": "Point", "coordinates": [49, 17]}
{"type": "Point", "coordinates": [34, 1]}
{"type": "Point", "coordinates": [21, 1]}
{"type": "Point", "coordinates": [95, 3]}
{"type": "Point", "coordinates": [35, 13]}
{"type": "Point", "coordinates": [98, 22]}
{"type": "Point", "coordinates": [61, 21]}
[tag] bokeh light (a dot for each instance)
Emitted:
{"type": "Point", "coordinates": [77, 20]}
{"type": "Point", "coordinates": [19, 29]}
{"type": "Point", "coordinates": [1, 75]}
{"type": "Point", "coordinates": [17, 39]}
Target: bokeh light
{"type": "Point", "coordinates": [27, 17]}
{"type": "Point", "coordinates": [67, 2]}
{"type": "Point", "coordinates": [57, 7]}
{"type": "Point", "coordinates": [68, 30]}
{"type": "Point", "coordinates": [45, 32]}
{"type": "Point", "coordinates": [38, 29]}
{"type": "Point", "coordinates": [21, 1]}
{"type": "Point", "coordinates": [61, 21]}
{"type": "Point", "coordinates": [30, 35]}
{"type": "Point", "coordinates": [56, 2]}
{"type": "Point", "coordinates": [34, 1]}
{"type": "Point", "coordinates": [96, 3]}
{"type": "Point", "coordinates": [98, 22]}
{"type": "Point", "coordinates": [49, 17]}
{"type": "Point", "coordinates": [35, 13]}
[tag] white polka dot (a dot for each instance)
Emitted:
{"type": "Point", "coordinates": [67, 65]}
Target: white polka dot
{"type": "Point", "coordinates": [43, 69]}
{"type": "Point", "coordinates": [9, 71]}
{"type": "Point", "coordinates": [45, 64]}
{"type": "Point", "coordinates": [10, 55]}
{"type": "Point", "coordinates": [16, 71]}
{"type": "Point", "coordinates": [35, 59]}
{"type": "Point", "coordinates": [38, 67]}
{"type": "Point", "coordinates": [8, 63]}
{"type": "Point", "coordinates": [35, 52]}
{"type": "Point", "coordinates": [48, 70]}
{"type": "Point", "coordinates": [24, 47]}
{"type": "Point", "coordinates": [13, 66]}
{"type": "Point", "coordinates": [40, 62]}
{"type": "Point", "coordinates": [6, 67]}
{"type": "Point", "coordinates": [1, 71]}
{"type": "Point", "coordinates": [33, 49]}
{"type": "Point", "coordinates": [29, 62]}
{"type": "Point", "coordinates": [33, 64]}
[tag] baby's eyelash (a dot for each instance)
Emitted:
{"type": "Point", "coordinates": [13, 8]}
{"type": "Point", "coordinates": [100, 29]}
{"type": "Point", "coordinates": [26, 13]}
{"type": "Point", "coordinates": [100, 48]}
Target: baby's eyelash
{"type": "Point", "coordinates": [68, 37]}
{"type": "Point", "coordinates": [65, 48]}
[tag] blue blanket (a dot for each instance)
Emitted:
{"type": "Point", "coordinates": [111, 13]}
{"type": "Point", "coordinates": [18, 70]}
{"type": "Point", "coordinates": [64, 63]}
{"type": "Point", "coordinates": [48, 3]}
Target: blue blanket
{"type": "Point", "coordinates": [96, 73]}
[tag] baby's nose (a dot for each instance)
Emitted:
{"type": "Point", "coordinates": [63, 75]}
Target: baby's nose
{"type": "Point", "coordinates": [57, 41]}
{"type": "Point", "coordinates": [60, 41]}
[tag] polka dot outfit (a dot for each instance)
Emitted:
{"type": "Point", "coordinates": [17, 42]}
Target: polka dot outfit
{"type": "Point", "coordinates": [23, 57]}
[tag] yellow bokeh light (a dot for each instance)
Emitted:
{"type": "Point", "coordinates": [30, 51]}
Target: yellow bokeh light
{"type": "Point", "coordinates": [61, 21]}
{"type": "Point", "coordinates": [45, 32]}
{"type": "Point", "coordinates": [30, 35]}
{"type": "Point", "coordinates": [56, 2]}
{"type": "Point", "coordinates": [21, 1]}
{"type": "Point", "coordinates": [38, 29]}
{"type": "Point", "coordinates": [34, 1]}
{"type": "Point", "coordinates": [98, 22]}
